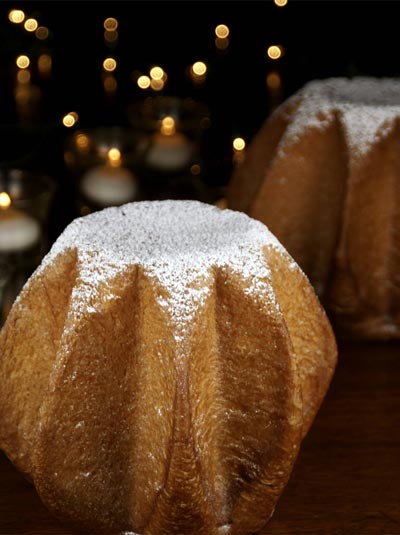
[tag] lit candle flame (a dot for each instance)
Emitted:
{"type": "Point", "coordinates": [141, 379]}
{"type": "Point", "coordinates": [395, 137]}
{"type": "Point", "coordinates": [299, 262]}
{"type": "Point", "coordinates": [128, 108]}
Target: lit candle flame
{"type": "Point", "coordinates": [5, 200]}
{"type": "Point", "coordinates": [168, 126]}
{"type": "Point", "coordinates": [114, 157]}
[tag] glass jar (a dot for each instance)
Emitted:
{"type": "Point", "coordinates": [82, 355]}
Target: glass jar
{"type": "Point", "coordinates": [101, 161]}
{"type": "Point", "coordinates": [25, 200]}
{"type": "Point", "coordinates": [169, 148]}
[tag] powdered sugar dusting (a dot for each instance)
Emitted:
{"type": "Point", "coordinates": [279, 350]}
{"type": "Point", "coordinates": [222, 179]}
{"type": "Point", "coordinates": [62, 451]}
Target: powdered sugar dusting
{"type": "Point", "coordinates": [366, 108]}
{"type": "Point", "coordinates": [176, 243]}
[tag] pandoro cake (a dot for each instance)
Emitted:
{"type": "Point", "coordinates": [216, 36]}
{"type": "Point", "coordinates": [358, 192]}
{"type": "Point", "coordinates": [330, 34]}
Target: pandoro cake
{"type": "Point", "coordinates": [159, 371]}
{"type": "Point", "coordinates": [323, 173]}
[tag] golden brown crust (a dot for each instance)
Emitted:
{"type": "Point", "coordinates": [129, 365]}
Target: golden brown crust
{"type": "Point", "coordinates": [332, 204]}
{"type": "Point", "coordinates": [310, 333]}
{"type": "Point", "coordinates": [139, 433]}
{"type": "Point", "coordinates": [28, 349]}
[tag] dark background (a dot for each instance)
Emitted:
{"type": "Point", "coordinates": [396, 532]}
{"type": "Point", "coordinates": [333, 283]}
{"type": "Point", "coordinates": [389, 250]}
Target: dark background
{"type": "Point", "coordinates": [321, 39]}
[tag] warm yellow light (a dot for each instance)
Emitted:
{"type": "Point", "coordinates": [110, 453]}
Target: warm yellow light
{"type": "Point", "coordinates": [110, 83]}
{"type": "Point", "coordinates": [5, 200]}
{"type": "Point", "coordinates": [222, 31]}
{"type": "Point", "coordinates": [143, 82]}
{"type": "Point", "coordinates": [280, 3]}
{"type": "Point", "coordinates": [23, 62]}
{"type": "Point", "coordinates": [45, 63]}
{"type": "Point", "coordinates": [111, 36]}
{"type": "Point", "coordinates": [238, 144]}
{"type": "Point", "coordinates": [16, 16]}
{"type": "Point", "coordinates": [275, 51]}
{"type": "Point", "coordinates": [42, 33]}
{"type": "Point", "coordinates": [82, 141]}
{"type": "Point", "coordinates": [23, 76]}
{"type": "Point", "coordinates": [274, 80]}
{"type": "Point", "coordinates": [157, 85]}
{"type": "Point", "coordinates": [114, 157]}
{"type": "Point", "coordinates": [222, 43]}
{"type": "Point", "coordinates": [70, 119]}
{"type": "Point", "coordinates": [31, 25]}
{"type": "Point", "coordinates": [109, 64]}
{"type": "Point", "coordinates": [168, 126]}
{"type": "Point", "coordinates": [195, 169]}
{"type": "Point", "coordinates": [199, 68]}
{"type": "Point", "coordinates": [156, 73]}
{"type": "Point", "coordinates": [110, 24]}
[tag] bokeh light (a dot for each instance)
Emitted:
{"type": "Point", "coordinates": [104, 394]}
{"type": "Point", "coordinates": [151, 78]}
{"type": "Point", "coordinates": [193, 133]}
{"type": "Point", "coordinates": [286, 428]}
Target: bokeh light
{"type": "Point", "coordinates": [157, 85]}
{"type": "Point", "coordinates": [222, 31]}
{"type": "Point", "coordinates": [143, 82]}
{"type": "Point", "coordinates": [199, 68]}
{"type": "Point", "coordinates": [31, 25]}
{"type": "Point", "coordinates": [156, 73]}
{"type": "Point", "coordinates": [109, 64]}
{"type": "Point", "coordinates": [5, 200]}
{"type": "Point", "coordinates": [275, 51]}
{"type": "Point", "coordinates": [238, 144]}
{"type": "Point", "coordinates": [42, 33]}
{"type": "Point", "coordinates": [110, 36]}
{"type": "Point", "coordinates": [23, 62]}
{"type": "Point", "coordinates": [45, 64]}
{"type": "Point", "coordinates": [168, 126]}
{"type": "Point", "coordinates": [23, 76]}
{"type": "Point", "coordinates": [110, 24]}
{"type": "Point", "coordinates": [16, 16]}
{"type": "Point", "coordinates": [70, 119]}
{"type": "Point", "coordinates": [114, 157]}
{"type": "Point", "coordinates": [274, 80]}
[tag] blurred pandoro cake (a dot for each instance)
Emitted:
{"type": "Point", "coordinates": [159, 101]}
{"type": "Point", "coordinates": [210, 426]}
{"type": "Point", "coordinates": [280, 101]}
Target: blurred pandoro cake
{"type": "Point", "coordinates": [323, 173]}
{"type": "Point", "coordinates": [160, 369]}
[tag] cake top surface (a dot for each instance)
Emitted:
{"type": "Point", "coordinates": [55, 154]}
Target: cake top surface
{"type": "Point", "coordinates": [176, 243]}
{"type": "Point", "coordinates": [358, 91]}
{"type": "Point", "coordinates": [152, 232]}
{"type": "Point", "coordinates": [365, 106]}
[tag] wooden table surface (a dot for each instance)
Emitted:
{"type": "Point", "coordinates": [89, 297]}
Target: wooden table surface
{"type": "Point", "coordinates": [346, 480]}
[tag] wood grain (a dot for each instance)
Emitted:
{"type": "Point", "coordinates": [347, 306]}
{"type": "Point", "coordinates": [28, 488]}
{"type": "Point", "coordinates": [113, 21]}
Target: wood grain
{"type": "Point", "coordinates": [346, 480]}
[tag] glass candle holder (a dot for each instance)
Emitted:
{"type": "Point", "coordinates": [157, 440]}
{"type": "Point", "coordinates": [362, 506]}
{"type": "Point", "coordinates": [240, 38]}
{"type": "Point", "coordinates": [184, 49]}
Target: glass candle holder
{"type": "Point", "coordinates": [25, 199]}
{"type": "Point", "coordinates": [101, 161]}
{"type": "Point", "coordinates": [170, 131]}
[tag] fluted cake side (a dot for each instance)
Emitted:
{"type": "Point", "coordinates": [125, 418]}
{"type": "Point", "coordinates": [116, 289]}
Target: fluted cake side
{"type": "Point", "coordinates": [160, 369]}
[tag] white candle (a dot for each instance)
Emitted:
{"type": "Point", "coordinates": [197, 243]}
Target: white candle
{"type": "Point", "coordinates": [109, 184]}
{"type": "Point", "coordinates": [18, 231]}
{"type": "Point", "coordinates": [169, 150]}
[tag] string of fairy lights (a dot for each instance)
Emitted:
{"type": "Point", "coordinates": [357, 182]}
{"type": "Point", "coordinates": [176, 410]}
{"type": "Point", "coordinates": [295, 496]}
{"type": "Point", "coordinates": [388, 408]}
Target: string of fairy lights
{"type": "Point", "coordinates": [154, 80]}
